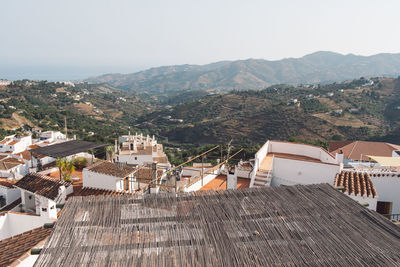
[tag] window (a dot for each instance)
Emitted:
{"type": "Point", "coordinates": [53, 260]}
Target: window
{"type": "Point", "coordinates": [44, 209]}
{"type": "Point", "coordinates": [135, 158]}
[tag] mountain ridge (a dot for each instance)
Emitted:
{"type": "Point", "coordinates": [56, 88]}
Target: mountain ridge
{"type": "Point", "coordinates": [314, 68]}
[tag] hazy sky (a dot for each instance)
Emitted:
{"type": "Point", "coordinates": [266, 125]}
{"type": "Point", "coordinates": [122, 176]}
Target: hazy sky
{"type": "Point", "coordinates": [96, 36]}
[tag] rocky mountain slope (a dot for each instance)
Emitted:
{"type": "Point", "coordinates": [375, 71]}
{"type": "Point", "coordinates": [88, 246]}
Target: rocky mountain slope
{"type": "Point", "coordinates": [319, 67]}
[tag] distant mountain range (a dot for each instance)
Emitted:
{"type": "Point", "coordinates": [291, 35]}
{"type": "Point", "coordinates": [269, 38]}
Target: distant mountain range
{"type": "Point", "coordinates": [319, 67]}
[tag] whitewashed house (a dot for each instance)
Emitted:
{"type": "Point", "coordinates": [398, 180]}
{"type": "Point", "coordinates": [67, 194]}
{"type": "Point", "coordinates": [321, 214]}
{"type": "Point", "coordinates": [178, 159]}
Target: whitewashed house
{"type": "Point", "coordinates": [40, 194]}
{"type": "Point", "coordinates": [8, 193]}
{"type": "Point", "coordinates": [286, 163]}
{"type": "Point", "coordinates": [39, 197]}
{"type": "Point", "coordinates": [52, 136]}
{"type": "Point", "coordinates": [140, 150]}
{"type": "Point", "coordinates": [15, 143]}
{"type": "Point", "coordinates": [12, 168]}
{"type": "Point", "coordinates": [109, 176]}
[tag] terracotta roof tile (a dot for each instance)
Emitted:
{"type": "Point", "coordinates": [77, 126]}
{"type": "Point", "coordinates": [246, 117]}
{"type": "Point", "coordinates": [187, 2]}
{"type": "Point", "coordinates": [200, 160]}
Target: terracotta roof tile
{"type": "Point", "coordinates": [332, 146]}
{"type": "Point", "coordinates": [360, 149]}
{"type": "Point", "coordinates": [7, 163]}
{"type": "Point", "coordinates": [41, 185]}
{"type": "Point", "coordinates": [11, 249]}
{"type": "Point", "coordinates": [10, 206]}
{"type": "Point", "coordinates": [113, 169]}
{"type": "Point", "coordinates": [13, 142]}
{"type": "Point", "coordinates": [5, 141]}
{"type": "Point", "coordinates": [84, 191]}
{"type": "Point", "coordinates": [5, 183]}
{"type": "Point", "coordinates": [355, 183]}
{"type": "Point", "coordinates": [146, 174]}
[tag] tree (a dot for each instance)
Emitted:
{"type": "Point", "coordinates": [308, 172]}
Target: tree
{"type": "Point", "coordinates": [66, 168]}
{"type": "Point", "coordinates": [69, 168]}
{"type": "Point", "coordinates": [110, 150]}
{"type": "Point", "coordinates": [60, 164]}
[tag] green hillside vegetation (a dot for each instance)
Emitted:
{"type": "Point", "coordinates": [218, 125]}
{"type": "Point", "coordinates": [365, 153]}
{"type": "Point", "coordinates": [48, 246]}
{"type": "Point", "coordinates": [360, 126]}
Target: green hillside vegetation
{"type": "Point", "coordinates": [339, 111]}
{"type": "Point", "coordinates": [361, 109]}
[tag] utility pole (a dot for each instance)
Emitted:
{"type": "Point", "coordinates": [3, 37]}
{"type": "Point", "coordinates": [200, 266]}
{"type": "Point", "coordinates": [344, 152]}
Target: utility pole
{"type": "Point", "coordinates": [229, 151]}
{"type": "Point", "coordinates": [202, 170]}
{"type": "Point", "coordinates": [66, 129]}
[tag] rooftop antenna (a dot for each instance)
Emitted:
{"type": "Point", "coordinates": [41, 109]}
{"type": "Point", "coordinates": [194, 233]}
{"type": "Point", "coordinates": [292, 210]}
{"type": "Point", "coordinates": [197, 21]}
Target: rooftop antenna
{"type": "Point", "coordinates": [229, 151]}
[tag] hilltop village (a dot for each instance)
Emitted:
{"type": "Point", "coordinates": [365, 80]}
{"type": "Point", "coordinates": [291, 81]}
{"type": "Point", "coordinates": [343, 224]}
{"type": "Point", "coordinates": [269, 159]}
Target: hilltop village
{"type": "Point", "coordinates": [127, 203]}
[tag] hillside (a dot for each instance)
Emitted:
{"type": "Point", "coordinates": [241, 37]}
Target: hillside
{"type": "Point", "coordinates": [319, 67]}
{"type": "Point", "coordinates": [360, 109]}
{"type": "Point", "coordinates": [96, 112]}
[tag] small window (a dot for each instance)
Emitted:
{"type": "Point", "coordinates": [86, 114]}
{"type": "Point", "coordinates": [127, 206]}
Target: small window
{"type": "Point", "coordinates": [44, 209]}
{"type": "Point", "coordinates": [135, 158]}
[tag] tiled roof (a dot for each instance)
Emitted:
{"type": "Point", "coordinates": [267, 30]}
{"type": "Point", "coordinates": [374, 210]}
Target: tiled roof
{"type": "Point", "coordinates": [146, 173]}
{"type": "Point", "coordinates": [112, 169]}
{"type": "Point", "coordinates": [34, 146]}
{"type": "Point", "coordinates": [9, 163]}
{"type": "Point", "coordinates": [163, 159]}
{"type": "Point", "coordinates": [332, 146]}
{"type": "Point", "coordinates": [41, 185]}
{"type": "Point", "coordinates": [13, 248]}
{"type": "Point", "coordinates": [84, 191]}
{"type": "Point", "coordinates": [5, 141]}
{"type": "Point", "coordinates": [10, 206]}
{"type": "Point", "coordinates": [355, 183]}
{"type": "Point", "coordinates": [5, 183]}
{"type": "Point", "coordinates": [26, 155]}
{"type": "Point", "coordinates": [360, 149]}
{"type": "Point", "coordinates": [13, 142]}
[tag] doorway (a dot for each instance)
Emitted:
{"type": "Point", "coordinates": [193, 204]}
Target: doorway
{"type": "Point", "coordinates": [384, 208]}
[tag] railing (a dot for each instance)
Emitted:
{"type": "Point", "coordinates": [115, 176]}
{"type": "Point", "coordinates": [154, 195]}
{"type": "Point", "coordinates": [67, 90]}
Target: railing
{"type": "Point", "coordinates": [395, 217]}
{"type": "Point", "coordinates": [253, 173]}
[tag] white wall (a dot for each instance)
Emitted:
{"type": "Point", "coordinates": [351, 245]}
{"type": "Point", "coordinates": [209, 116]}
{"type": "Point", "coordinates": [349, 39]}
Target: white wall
{"type": "Point", "coordinates": [130, 159]}
{"type": "Point", "coordinates": [388, 190]}
{"type": "Point", "coordinates": [370, 200]}
{"type": "Point", "coordinates": [12, 224]}
{"type": "Point", "coordinates": [303, 150]}
{"type": "Point", "coordinates": [243, 174]}
{"type": "Point", "coordinates": [231, 181]}
{"type": "Point", "coordinates": [99, 180]}
{"type": "Point", "coordinates": [197, 185]}
{"type": "Point", "coordinates": [291, 172]}
{"type": "Point", "coordinates": [10, 194]}
{"type": "Point", "coordinates": [44, 207]}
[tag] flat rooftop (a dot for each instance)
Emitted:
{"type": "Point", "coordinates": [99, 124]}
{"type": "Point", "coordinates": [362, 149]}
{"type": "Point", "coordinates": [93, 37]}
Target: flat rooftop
{"type": "Point", "coordinates": [313, 225]}
{"type": "Point", "coordinates": [219, 183]}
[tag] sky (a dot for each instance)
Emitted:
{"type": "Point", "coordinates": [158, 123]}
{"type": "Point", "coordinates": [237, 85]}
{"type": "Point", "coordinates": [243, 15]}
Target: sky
{"type": "Point", "coordinates": [73, 39]}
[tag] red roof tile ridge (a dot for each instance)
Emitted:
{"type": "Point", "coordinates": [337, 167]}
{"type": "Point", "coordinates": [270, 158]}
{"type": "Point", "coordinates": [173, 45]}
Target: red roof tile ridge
{"type": "Point", "coordinates": [95, 164]}
{"type": "Point", "coordinates": [38, 175]}
{"type": "Point", "coordinates": [354, 146]}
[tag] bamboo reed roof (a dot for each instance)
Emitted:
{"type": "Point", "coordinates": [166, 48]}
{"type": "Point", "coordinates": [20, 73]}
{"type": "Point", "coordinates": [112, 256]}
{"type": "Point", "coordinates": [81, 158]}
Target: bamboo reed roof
{"type": "Point", "coordinates": [65, 149]}
{"type": "Point", "coordinates": [303, 225]}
